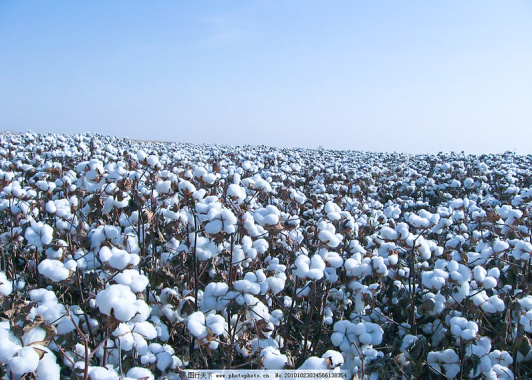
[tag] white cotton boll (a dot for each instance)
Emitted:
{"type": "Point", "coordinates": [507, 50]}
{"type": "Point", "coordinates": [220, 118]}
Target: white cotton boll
{"type": "Point", "coordinates": [105, 253]}
{"type": "Point", "coordinates": [449, 356]}
{"type": "Point", "coordinates": [36, 334]}
{"type": "Point", "coordinates": [468, 334]}
{"type": "Point", "coordinates": [196, 324]}
{"type": "Point", "coordinates": [277, 283]}
{"type": "Point", "coordinates": [209, 178]}
{"type": "Point", "coordinates": [102, 373]}
{"type": "Point", "coordinates": [48, 369]}
{"type": "Point", "coordinates": [164, 361]}
{"type": "Point", "coordinates": [214, 227]}
{"type": "Point", "coordinates": [6, 286]}
{"type": "Point", "coordinates": [216, 323]}
{"type": "Point", "coordinates": [494, 272]}
{"type": "Point", "coordinates": [54, 270]}
{"type": "Point", "coordinates": [152, 160]}
{"type": "Point", "coordinates": [26, 360]}
{"type": "Point", "coordinates": [500, 246]}
{"type": "Point", "coordinates": [146, 329]}
{"type": "Point", "coordinates": [271, 358]}
{"type": "Point", "coordinates": [479, 298]}
{"type": "Point", "coordinates": [120, 258]}
{"type": "Point", "coordinates": [164, 187]}
{"type": "Point", "coordinates": [393, 259]}
{"type": "Point", "coordinates": [314, 363]}
{"type": "Point", "coordinates": [317, 263]}
{"type": "Point", "coordinates": [270, 220]}
{"type": "Point", "coordinates": [365, 338]}
{"type": "Point", "coordinates": [479, 273]}
{"type": "Point", "coordinates": [489, 282]}
{"type": "Point", "coordinates": [315, 274]}
{"type": "Point", "coordinates": [246, 286]}
{"type": "Point", "coordinates": [71, 265]}
{"type": "Point", "coordinates": [493, 305]}
{"type": "Point", "coordinates": [452, 266]}
{"type": "Point", "coordinates": [451, 370]}
{"type": "Point", "coordinates": [388, 233]}
{"type": "Point", "coordinates": [118, 300]}
{"type": "Point", "coordinates": [139, 373]}
{"type": "Point", "coordinates": [236, 193]}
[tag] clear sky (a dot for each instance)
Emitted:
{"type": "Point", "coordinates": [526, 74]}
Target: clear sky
{"type": "Point", "coordinates": [418, 76]}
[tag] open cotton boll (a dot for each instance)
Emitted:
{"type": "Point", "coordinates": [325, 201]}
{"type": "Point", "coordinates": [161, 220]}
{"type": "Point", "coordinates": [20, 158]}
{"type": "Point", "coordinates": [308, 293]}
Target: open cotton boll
{"type": "Point", "coordinates": [196, 324]}
{"type": "Point", "coordinates": [137, 282]}
{"type": "Point", "coordinates": [139, 373]}
{"type": "Point", "coordinates": [479, 273]}
{"type": "Point", "coordinates": [271, 358]}
{"type": "Point", "coordinates": [216, 323]}
{"type": "Point", "coordinates": [117, 300]}
{"type": "Point", "coordinates": [54, 270]}
{"type": "Point", "coordinates": [6, 286]}
{"type": "Point", "coordinates": [48, 369]}
{"type": "Point", "coordinates": [314, 363]}
{"type": "Point", "coordinates": [489, 282]}
{"type": "Point", "coordinates": [102, 373]}
{"type": "Point", "coordinates": [236, 193]}
{"type": "Point", "coordinates": [152, 160]}
{"type": "Point", "coordinates": [246, 286]}
{"type": "Point", "coordinates": [26, 360]}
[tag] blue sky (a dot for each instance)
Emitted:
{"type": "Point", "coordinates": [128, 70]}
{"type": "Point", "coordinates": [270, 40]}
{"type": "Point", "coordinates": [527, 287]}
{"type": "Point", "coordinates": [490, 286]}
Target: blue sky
{"type": "Point", "coordinates": [408, 76]}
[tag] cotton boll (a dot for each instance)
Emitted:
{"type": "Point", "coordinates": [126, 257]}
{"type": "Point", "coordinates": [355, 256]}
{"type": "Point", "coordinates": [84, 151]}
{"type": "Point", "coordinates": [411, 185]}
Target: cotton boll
{"type": "Point", "coordinates": [479, 273]}
{"type": "Point", "coordinates": [277, 283]}
{"type": "Point", "coordinates": [120, 258]}
{"type": "Point", "coordinates": [117, 300]}
{"type": "Point", "coordinates": [54, 270]}
{"type": "Point", "coordinates": [48, 369]}
{"type": "Point", "coordinates": [26, 360]}
{"type": "Point", "coordinates": [489, 282]}
{"type": "Point", "coordinates": [468, 334]}
{"type": "Point", "coordinates": [36, 334]}
{"type": "Point", "coordinates": [314, 363]}
{"type": "Point", "coordinates": [216, 323]}
{"type": "Point", "coordinates": [494, 272]}
{"type": "Point", "coordinates": [365, 338]}
{"type": "Point", "coordinates": [139, 373]}
{"type": "Point", "coordinates": [271, 358]}
{"type": "Point", "coordinates": [6, 286]}
{"type": "Point", "coordinates": [196, 324]}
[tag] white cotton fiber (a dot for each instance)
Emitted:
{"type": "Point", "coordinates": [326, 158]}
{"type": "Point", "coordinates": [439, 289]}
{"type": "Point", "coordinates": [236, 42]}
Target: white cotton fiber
{"type": "Point", "coordinates": [140, 373]}
{"type": "Point", "coordinates": [48, 369]}
{"type": "Point", "coordinates": [6, 286]}
{"type": "Point", "coordinates": [26, 360]}
{"type": "Point", "coordinates": [196, 324]}
{"type": "Point", "coordinates": [54, 270]}
{"type": "Point", "coordinates": [118, 300]}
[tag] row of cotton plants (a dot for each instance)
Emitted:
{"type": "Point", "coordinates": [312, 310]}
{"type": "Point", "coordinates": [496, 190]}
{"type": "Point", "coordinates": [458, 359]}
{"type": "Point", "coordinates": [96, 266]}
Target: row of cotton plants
{"type": "Point", "coordinates": [122, 259]}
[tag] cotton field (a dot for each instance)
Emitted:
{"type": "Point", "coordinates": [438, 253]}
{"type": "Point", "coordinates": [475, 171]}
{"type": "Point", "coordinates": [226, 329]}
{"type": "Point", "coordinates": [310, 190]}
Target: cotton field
{"type": "Point", "coordinates": [139, 260]}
